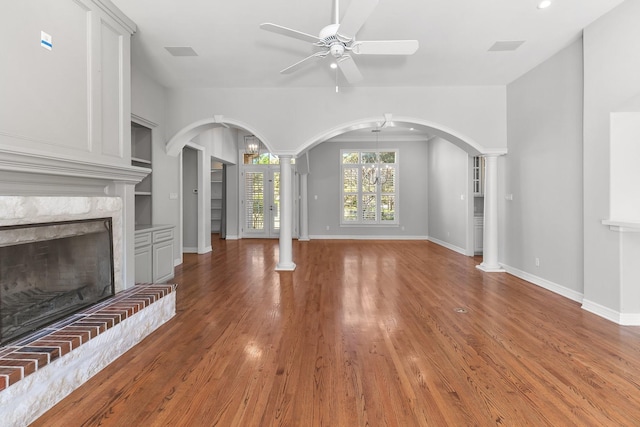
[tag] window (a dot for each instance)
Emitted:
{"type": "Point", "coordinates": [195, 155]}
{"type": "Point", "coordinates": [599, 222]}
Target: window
{"type": "Point", "coordinates": [369, 187]}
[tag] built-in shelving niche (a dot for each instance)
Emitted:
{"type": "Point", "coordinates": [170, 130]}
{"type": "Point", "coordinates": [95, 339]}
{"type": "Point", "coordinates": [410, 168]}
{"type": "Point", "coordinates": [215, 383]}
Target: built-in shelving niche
{"type": "Point", "coordinates": [141, 149]}
{"type": "Point", "coordinates": [216, 196]}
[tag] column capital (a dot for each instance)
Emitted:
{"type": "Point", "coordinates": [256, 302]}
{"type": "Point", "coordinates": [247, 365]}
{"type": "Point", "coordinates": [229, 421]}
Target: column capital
{"type": "Point", "coordinates": [493, 154]}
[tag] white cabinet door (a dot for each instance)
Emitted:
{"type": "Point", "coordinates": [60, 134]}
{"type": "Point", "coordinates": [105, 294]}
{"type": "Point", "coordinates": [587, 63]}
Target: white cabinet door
{"type": "Point", "coordinates": [478, 235]}
{"type": "Point", "coordinates": [143, 265]}
{"type": "Point", "coordinates": [162, 261]}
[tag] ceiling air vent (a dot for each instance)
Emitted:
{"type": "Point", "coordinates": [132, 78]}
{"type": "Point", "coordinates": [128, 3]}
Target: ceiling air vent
{"type": "Point", "coordinates": [181, 50]}
{"type": "Point", "coordinates": [506, 46]}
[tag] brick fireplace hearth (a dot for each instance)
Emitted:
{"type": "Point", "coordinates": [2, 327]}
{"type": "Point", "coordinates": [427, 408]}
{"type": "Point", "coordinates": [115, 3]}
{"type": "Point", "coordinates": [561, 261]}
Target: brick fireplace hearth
{"type": "Point", "coordinates": [39, 370]}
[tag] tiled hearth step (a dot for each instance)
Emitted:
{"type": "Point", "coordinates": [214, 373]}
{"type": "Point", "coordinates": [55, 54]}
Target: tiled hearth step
{"type": "Point", "coordinates": [25, 355]}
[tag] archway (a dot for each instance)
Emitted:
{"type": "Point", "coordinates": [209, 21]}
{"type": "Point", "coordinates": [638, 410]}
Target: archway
{"type": "Point", "coordinates": [464, 142]}
{"type": "Point", "coordinates": [177, 142]}
{"type": "Point", "coordinates": [489, 227]}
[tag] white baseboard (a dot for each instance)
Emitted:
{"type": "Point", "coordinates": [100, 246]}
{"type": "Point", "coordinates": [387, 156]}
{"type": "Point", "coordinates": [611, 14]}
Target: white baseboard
{"type": "Point", "coordinates": [206, 250]}
{"type": "Point", "coordinates": [190, 250]}
{"type": "Point", "coordinates": [544, 283]}
{"type": "Point", "coordinates": [356, 237]}
{"type": "Point", "coordinates": [626, 319]}
{"type": "Point", "coordinates": [232, 237]}
{"type": "Point", "coordinates": [448, 245]}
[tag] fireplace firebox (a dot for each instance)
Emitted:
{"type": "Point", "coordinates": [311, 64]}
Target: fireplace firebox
{"type": "Point", "coordinates": [50, 270]}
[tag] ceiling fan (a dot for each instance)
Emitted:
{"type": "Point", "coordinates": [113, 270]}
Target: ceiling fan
{"type": "Point", "coordinates": [339, 40]}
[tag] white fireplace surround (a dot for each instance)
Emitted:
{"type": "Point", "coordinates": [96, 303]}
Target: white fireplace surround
{"type": "Point", "coordinates": [16, 210]}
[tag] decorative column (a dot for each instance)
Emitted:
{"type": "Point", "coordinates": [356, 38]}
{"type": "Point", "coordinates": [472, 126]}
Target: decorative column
{"type": "Point", "coordinates": [304, 209]}
{"type": "Point", "coordinates": [490, 238]}
{"type": "Point", "coordinates": [285, 262]}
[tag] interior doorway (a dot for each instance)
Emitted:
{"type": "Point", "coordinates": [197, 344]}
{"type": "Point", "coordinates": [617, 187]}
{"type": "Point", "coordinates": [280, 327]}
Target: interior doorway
{"type": "Point", "coordinates": [189, 200]}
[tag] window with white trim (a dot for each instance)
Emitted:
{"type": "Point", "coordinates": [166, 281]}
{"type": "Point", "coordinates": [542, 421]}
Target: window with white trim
{"type": "Point", "coordinates": [369, 187]}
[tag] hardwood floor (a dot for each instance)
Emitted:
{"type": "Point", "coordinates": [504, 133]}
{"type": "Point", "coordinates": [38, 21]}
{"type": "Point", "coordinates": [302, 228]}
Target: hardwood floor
{"type": "Point", "coordinates": [364, 333]}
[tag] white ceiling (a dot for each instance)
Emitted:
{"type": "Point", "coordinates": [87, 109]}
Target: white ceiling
{"type": "Point", "coordinates": [454, 37]}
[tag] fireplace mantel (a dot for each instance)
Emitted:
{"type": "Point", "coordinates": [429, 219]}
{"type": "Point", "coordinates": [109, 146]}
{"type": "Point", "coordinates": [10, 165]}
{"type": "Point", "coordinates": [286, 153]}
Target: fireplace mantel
{"type": "Point", "coordinates": [30, 173]}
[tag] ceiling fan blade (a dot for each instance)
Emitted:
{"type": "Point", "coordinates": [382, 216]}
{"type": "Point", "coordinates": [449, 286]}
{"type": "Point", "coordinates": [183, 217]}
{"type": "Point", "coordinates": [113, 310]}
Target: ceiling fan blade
{"type": "Point", "coordinates": [279, 29]}
{"type": "Point", "coordinates": [354, 18]}
{"type": "Point", "coordinates": [385, 47]}
{"type": "Point", "coordinates": [295, 67]}
{"type": "Point", "coordinates": [349, 68]}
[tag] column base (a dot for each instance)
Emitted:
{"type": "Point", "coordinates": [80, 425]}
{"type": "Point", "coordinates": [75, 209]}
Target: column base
{"type": "Point", "coordinates": [286, 267]}
{"type": "Point", "coordinates": [490, 269]}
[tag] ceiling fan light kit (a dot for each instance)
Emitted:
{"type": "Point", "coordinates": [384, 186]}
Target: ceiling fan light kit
{"type": "Point", "coordinates": [339, 40]}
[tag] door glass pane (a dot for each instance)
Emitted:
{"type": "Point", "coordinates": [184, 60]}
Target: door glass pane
{"type": "Point", "coordinates": [254, 200]}
{"type": "Point", "coordinates": [276, 201]}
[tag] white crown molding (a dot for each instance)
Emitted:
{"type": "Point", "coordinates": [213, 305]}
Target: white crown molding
{"type": "Point", "coordinates": [142, 121]}
{"type": "Point", "coordinates": [116, 14]}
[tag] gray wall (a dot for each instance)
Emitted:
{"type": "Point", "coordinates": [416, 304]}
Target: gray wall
{"type": "Point", "coordinates": [324, 182]}
{"type": "Point", "coordinates": [611, 77]}
{"type": "Point", "coordinates": [290, 120]}
{"type": "Point", "coordinates": [543, 172]}
{"type": "Point", "coordinates": [448, 171]}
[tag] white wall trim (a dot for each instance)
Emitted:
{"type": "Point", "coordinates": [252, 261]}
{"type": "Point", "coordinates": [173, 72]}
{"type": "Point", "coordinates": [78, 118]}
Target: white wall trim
{"type": "Point", "coordinates": [364, 237]}
{"type": "Point", "coordinates": [454, 248]}
{"type": "Point", "coordinates": [630, 319]}
{"type": "Point", "coordinates": [189, 250]}
{"type": "Point", "coordinates": [625, 319]}
{"type": "Point", "coordinates": [546, 284]}
{"type": "Point", "coordinates": [232, 237]}
{"type": "Point", "coordinates": [142, 121]}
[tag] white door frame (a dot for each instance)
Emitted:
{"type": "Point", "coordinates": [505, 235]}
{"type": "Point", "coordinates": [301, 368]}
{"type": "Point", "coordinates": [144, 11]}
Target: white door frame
{"type": "Point", "coordinates": [204, 202]}
{"type": "Point", "coordinates": [268, 232]}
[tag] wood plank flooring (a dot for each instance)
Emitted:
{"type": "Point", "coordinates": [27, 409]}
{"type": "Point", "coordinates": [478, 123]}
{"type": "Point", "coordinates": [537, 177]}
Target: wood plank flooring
{"type": "Point", "coordinates": [364, 333]}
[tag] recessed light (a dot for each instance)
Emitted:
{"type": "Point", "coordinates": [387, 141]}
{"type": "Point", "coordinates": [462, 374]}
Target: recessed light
{"type": "Point", "coordinates": [544, 4]}
{"type": "Point", "coordinates": [333, 65]}
{"type": "Point", "coordinates": [411, 129]}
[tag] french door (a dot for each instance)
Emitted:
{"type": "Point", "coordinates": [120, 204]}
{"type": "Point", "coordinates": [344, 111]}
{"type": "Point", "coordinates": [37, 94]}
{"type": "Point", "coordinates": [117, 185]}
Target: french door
{"type": "Point", "coordinates": [261, 203]}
